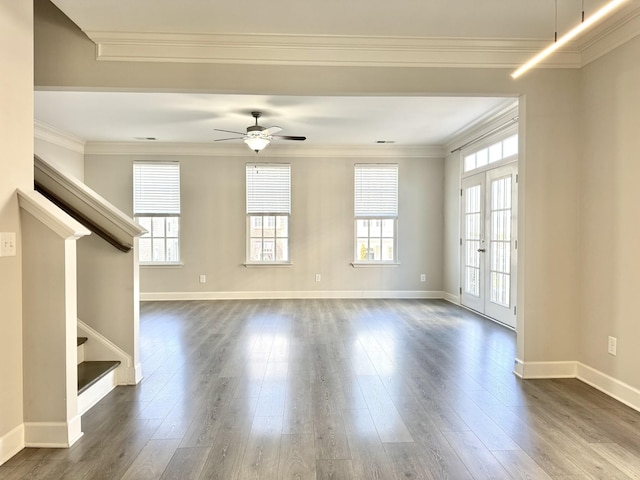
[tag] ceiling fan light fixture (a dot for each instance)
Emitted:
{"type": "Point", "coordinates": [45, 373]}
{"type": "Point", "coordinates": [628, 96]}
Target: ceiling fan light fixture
{"type": "Point", "coordinates": [256, 142]}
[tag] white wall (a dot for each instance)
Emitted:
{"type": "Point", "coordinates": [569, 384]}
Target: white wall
{"type": "Point", "coordinates": [213, 225]}
{"type": "Point", "coordinates": [16, 165]}
{"type": "Point", "coordinates": [610, 219]}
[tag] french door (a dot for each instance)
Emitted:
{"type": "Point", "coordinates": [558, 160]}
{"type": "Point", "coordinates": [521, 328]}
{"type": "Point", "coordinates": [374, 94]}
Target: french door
{"type": "Point", "coordinates": [488, 243]}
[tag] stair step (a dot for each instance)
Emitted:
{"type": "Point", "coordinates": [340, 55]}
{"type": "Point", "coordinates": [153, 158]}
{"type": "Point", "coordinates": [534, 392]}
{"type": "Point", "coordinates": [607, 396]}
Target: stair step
{"type": "Point", "coordinates": [82, 340]}
{"type": "Point", "coordinates": [90, 372]}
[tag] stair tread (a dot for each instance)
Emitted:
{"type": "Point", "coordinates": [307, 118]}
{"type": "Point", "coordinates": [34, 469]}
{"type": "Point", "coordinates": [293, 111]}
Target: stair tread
{"type": "Point", "coordinates": [91, 371]}
{"type": "Point", "coordinates": [82, 340]}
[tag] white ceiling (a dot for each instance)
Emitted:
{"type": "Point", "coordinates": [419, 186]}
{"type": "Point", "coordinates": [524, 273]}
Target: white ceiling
{"type": "Point", "coordinates": [192, 118]}
{"type": "Point", "coordinates": [423, 18]}
{"type": "Point", "coordinates": [182, 117]}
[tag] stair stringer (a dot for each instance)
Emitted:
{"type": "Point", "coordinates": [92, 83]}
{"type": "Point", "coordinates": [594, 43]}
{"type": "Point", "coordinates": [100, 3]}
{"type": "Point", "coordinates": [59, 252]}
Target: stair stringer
{"type": "Point", "coordinates": [98, 347]}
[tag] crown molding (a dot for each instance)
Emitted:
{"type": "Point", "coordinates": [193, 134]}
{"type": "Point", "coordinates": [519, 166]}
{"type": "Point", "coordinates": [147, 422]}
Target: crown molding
{"type": "Point", "coordinates": [359, 50]}
{"type": "Point", "coordinates": [324, 50]}
{"type": "Point", "coordinates": [612, 33]}
{"type": "Point", "coordinates": [46, 132]}
{"type": "Point", "coordinates": [273, 151]}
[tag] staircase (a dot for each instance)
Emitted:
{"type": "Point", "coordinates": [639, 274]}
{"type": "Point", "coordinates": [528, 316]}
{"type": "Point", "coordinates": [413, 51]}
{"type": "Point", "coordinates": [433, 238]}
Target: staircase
{"type": "Point", "coordinates": [96, 378]}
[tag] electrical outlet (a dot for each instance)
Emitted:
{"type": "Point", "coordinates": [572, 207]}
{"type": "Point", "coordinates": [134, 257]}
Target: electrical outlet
{"type": "Point", "coordinates": [7, 244]}
{"type": "Point", "coordinates": [423, 277]}
{"type": "Point", "coordinates": [612, 346]}
{"type": "Point", "coordinates": [317, 277]}
{"type": "Point", "coordinates": [203, 279]}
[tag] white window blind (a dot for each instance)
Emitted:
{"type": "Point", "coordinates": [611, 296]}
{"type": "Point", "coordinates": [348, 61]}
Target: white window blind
{"type": "Point", "coordinates": [156, 188]}
{"type": "Point", "coordinates": [269, 188]}
{"type": "Point", "coordinates": [376, 190]}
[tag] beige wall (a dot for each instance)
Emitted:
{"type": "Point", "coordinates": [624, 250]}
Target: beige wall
{"type": "Point", "coordinates": [213, 225]}
{"type": "Point", "coordinates": [610, 219]}
{"type": "Point", "coordinates": [16, 170]}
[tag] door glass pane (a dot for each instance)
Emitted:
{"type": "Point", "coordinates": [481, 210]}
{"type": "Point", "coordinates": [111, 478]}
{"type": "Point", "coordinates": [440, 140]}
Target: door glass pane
{"type": "Point", "coordinates": [510, 146]}
{"type": "Point", "coordinates": [473, 236]}
{"type": "Point", "coordinates": [495, 152]}
{"type": "Point", "coordinates": [500, 242]}
{"type": "Point", "coordinates": [482, 157]}
{"type": "Point", "coordinates": [469, 162]}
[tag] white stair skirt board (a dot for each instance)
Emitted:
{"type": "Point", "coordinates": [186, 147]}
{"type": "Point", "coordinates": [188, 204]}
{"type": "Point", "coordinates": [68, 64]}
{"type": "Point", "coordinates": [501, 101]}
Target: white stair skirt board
{"type": "Point", "coordinates": [52, 434]}
{"type": "Point", "coordinates": [80, 354]}
{"type": "Point", "coordinates": [96, 392]}
{"type": "Point", "coordinates": [288, 295]}
{"type": "Point", "coordinates": [613, 387]}
{"type": "Point", "coordinates": [99, 347]}
{"type": "Point", "coordinates": [11, 443]}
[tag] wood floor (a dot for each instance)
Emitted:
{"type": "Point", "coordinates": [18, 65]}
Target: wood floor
{"type": "Point", "coordinates": [338, 389]}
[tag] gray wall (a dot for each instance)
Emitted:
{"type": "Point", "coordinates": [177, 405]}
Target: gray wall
{"type": "Point", "coordinates": [321, 229]}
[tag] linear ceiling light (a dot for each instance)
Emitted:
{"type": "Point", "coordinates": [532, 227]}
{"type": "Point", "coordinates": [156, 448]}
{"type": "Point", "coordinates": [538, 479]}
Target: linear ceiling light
{"type": "Point", "coordinates": [613, 4]}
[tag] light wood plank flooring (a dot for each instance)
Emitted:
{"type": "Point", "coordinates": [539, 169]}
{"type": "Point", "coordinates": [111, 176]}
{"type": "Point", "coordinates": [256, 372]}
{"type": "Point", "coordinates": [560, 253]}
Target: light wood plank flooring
{"type": "Point", "coordinates": [338, 389]}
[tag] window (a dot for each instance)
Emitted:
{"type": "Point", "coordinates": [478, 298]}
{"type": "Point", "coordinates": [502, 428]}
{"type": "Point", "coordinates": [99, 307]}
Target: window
{"type": "Point", "coordinates": [156, 207]}
{"type": "Point", "coordinates": [268, 211]}
{"type": "Point", "coordinates": [495, 152]}
{"type": "Point", "coordinates": [376, 213]}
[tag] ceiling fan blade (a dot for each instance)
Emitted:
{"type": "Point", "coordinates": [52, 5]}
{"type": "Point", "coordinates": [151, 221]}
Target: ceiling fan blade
{"type": "Point", "coordinates": [223, 139]}
{"type": "Point", "coordinates": [289, 137]}
{"type": "Point", "coordinates": [229, 131]}
{"type": "Point", "coordinates": [271, 130]}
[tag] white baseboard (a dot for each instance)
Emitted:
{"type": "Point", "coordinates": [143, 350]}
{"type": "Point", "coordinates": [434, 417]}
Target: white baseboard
{"type": "Point", "coordinates": [52, 434]}
{"type": "Point", "coordinates": [285, 295]}
{"type": "Point", "coordinates": [532, 370]}
{"type": "Point", "coordinates": [449, 297]}
{"type": "Point", "coordinates": [98, 347]}
{"type": "Point", "coordinates": [96, 392]}
{"type": "Point", "coordinates": [11, 443]}
{"type": "Point", "coordinates": [621, 391]}
{"type": "Point", "coordinates": [613, 387]}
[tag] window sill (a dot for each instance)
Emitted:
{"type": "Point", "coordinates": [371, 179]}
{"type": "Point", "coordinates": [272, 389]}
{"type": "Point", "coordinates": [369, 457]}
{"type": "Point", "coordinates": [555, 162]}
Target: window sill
{"type": "Point", "coordinates": [374, 264]}
{"type": "Point", "coordinates": [268, 264]}
{"type": "Point", "coordinates": [163, 265]}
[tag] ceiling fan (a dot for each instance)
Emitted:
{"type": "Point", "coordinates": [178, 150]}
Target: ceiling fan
{"type": "Point", "coordinates": [257, 136]}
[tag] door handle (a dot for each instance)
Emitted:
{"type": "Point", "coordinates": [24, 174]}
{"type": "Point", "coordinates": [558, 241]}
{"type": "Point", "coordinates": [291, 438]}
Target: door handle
{"type": "Point", "coordinates": [482, 250]}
